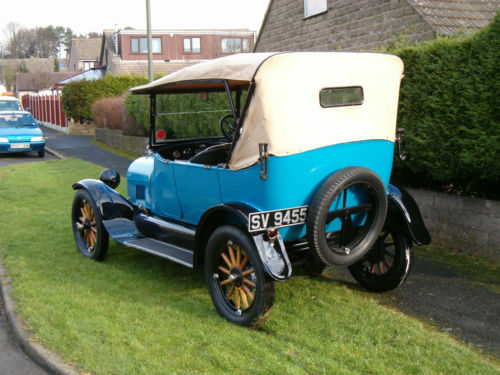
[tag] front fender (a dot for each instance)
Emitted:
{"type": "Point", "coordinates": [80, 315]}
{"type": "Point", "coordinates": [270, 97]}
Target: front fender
{"type": "Point", "coordinates": [272, 252]}
{"type": "Point", "coordinates": [117, 213]}
{"type": "Point", "coordinates": [404, 215]}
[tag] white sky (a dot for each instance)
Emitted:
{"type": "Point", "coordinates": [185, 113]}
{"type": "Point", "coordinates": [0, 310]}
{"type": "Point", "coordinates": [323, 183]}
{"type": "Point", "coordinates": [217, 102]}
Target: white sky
{"type": "Point", "coordinates": [96, 15]}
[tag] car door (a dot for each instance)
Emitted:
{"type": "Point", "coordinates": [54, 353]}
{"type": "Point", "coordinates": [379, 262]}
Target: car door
{"type": "Point", "coordinates": [197, 188]}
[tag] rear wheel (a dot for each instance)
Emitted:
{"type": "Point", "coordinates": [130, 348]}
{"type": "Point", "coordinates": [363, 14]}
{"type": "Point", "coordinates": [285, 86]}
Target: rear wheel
{"type": "Point", "coordinates": [346, 216]}
{"type": "Point", "coordinates": [91, 237]}
{"type": "Point", "coordinates": [240, 289]}
{"type": "Point", "coordinates": [386, 265]}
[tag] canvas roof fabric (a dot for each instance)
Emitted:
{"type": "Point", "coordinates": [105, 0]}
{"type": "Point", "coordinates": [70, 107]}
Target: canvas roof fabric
{"type": "Point", "coordinates": [285, 110]}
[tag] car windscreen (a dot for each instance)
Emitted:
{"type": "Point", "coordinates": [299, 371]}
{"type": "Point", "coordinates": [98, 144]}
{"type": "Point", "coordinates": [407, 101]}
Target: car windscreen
{"type": "Point", "coordinates": [14, 120]}
{"type": "Point", "coordinates": [191, 116]}
{"type": "Point", "coordinates": [10, 105]}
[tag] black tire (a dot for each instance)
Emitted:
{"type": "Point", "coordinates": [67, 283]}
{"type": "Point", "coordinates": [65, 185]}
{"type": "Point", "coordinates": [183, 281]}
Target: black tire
{"type": "Point", "coordinates": [91, 237]}
{"type": "Point", "coordinates": [241, 296]}
{"type": "Point", "coordinates": [41, 153]}
{"type": "Point", "coordinates": [387, 265]}
{"type": "Point", "coordinates": [360, 222]}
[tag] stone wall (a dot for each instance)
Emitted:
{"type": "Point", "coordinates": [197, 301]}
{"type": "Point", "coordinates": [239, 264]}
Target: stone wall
{"type": "Point", "coordinates": [465, 224]}
{"type": "Point", "coordinates": [125, 143]}
{"type": "Point", "coordinates": [347, 25]}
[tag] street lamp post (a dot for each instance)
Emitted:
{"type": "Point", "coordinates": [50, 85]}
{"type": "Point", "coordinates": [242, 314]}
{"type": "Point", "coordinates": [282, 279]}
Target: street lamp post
{"type": "Point", "coordinates": [150, 43]}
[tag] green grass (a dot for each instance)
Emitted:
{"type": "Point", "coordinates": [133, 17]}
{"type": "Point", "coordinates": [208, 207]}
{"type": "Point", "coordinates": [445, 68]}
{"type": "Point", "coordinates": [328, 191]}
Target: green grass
{"type": "Point", "coordinates": [138, 314]}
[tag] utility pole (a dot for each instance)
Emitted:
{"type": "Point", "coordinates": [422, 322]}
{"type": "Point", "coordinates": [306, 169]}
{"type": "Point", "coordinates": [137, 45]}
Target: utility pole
{"type": "Point", "coordinates": [150, 41]}
{"type": "Point", "coordinates": [3, 68]}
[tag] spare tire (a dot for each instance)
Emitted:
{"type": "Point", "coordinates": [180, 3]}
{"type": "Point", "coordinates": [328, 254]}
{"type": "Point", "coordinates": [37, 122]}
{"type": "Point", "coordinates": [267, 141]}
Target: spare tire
{"type": "Point", "coordinates": [346, 216]}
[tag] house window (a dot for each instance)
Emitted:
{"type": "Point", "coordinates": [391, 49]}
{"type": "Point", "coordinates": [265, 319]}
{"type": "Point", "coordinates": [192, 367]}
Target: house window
{"type": "Point", "coordinates": [140, 45]}
{"type": "Point", "coordinates": [235, 45]}
{"type": "Point", "coordinates": [192, 45]}
{"type": "Point", "coordinates": [314, 7]}
{"type": "Point", "coordinates": [88, 65]}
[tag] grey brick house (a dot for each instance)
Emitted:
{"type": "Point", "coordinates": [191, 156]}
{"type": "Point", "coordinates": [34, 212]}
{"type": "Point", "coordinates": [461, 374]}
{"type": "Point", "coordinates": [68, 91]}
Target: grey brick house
{"type": "Point", "coordinates": [362, 25]}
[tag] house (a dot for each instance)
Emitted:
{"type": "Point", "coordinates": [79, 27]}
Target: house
{"type": "Point", "coordinates": [39, 81]}
{"type": "Point", "coordinates": [125, 51]}
{"type": "Point", "coordinates": [84, 54]}
{"type": "Point", "coordinates": [319, 25]}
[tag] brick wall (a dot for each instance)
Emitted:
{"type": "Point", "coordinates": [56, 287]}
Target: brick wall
{"type": "Point", "coordinates": [347, 25]}
{"type": "Point", "coordinates": [466, 224]}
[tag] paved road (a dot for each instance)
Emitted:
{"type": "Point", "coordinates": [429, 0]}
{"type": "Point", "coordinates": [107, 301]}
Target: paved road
{"type": "Point", "coordinates": [79, 146]}
{"type": "Point", "coordinates": [6, 159]}
{"type": "Point", "coordinates": [13, 361]}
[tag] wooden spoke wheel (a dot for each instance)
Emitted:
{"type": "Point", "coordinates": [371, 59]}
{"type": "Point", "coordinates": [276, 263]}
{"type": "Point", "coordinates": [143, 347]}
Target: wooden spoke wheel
{"type": "Point", "coordinates": [90, 235]}
{"type": "Point", "coordinates": [346, 216]}
{"type": "Point", "coordinates": [386, 265]}
{"type": "Point", "coordinates": [240, 290]}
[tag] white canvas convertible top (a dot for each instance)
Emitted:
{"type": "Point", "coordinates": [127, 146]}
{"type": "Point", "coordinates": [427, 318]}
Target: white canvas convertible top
{"type": "Point", "coordinates": [285, 110]}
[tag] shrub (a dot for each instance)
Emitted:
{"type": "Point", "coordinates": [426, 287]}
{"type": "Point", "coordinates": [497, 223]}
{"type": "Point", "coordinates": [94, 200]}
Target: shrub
{"type": "Point", "coordinates": [78, 97]}
{"type": "Point", "coordinates": [111, 113]}
{"type": "Point", "coordinates": [449, 105]}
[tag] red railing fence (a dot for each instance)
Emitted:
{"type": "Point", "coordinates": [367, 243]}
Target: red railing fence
{"type": "Point", "coordinates": [46, 109]}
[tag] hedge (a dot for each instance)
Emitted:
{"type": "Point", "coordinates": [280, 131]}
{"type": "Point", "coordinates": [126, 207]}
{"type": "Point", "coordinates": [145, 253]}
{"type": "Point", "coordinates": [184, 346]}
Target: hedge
{"type": "Point", "coordinates": [450, 106]}
{"type": "Point", "coordinates": [78, 97]}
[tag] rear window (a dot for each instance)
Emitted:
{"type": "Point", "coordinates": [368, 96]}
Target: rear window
{"type": "Point", "coordinates": [341, 96]}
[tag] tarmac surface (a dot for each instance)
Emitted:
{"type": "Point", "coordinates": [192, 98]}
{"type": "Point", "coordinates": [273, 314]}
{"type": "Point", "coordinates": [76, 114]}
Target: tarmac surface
{"type": "Point", "coordinates": [442, 295]}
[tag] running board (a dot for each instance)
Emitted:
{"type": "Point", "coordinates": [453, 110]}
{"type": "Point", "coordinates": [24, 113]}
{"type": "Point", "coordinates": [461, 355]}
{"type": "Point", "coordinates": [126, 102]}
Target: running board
{"type": "Point", "coordinates": [175, 253]}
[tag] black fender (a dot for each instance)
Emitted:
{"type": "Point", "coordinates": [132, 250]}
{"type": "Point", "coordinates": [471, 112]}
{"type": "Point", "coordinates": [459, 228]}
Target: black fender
{"type": "Point", "coordinates": [117, 213]}
{"type": "Point", "coordinates": [404, 215]}
{"type": "Point", "coordinates": [272, 252]}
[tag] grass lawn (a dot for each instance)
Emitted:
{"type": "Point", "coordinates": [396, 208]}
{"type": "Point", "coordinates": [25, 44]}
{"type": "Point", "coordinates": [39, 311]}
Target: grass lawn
{"type": "Point", "coordinates": [138, 314]}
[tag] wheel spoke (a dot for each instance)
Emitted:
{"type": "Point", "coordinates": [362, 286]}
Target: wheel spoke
{"type": "Point", "coordinates": [372, 269]}
{"type": "Point", "coordinates": [381, 267]}
{"type": "Point", "coordinates": [231, 255]}
{"type": "Point", "coordinates": [384, 235]}
{"type": "Point", "coordinates": [84, 214]}
{"type": "Point", "coordinates": [237, 302]}
{"type": "Point", "coordinates": [389, 255]}
{"type": "Point", "coordinates": [248, 282]}
{"type": "Point", "coordinates": [228, 262]}
{"type": "Point", "coordinates": [225, 282]}
{"type": "Point", "coordinates": [82, 219]}
{"type": "Point", "coordinates": [244, 263]}
{"type": "Point", "coordinates": [94, 230]}
{"type": "Point", "coordinates": [248, 292]}
{"type": "Point", "coordinates": [388, 265]}
{"type": "Point", "coordinates": [238, 256]}
{"type": "Point", "coordinates": [225, 270]}
{"type": "Point", "coordinates": [243, 298]}
{"type": "Point", "coordinates": [247, 272]}
{"type": "Point", "coordinates": [231, 291]}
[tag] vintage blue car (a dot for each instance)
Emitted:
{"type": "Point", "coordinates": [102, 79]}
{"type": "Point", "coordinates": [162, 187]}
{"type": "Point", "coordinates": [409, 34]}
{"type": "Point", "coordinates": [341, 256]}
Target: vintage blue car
{"type": "Point", "coordinates": [19, 132]}
{"type": "Point", "coordinates": [259, 164]}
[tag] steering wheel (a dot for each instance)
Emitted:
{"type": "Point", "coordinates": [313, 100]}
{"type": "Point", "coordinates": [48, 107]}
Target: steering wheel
{"type": "Point", "coordinates": [228, 126]}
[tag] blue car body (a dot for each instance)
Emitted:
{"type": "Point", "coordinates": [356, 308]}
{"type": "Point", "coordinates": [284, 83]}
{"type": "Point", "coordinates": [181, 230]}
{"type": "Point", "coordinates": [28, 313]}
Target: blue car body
{"type": "Point", "coordinates": [19, 132]}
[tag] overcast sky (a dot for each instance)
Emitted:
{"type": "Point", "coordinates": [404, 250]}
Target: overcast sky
{"type": "Point", "coordinates": [96, 15]}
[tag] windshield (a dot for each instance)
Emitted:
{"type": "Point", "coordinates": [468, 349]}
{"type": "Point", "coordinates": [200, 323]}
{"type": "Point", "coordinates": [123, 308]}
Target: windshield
{"type": "Point", "coordinates": [13, 120]}
{"type": "Point", "coordinates": [192, 116]}
{"type": "Point", "coordinates": [10, 105]}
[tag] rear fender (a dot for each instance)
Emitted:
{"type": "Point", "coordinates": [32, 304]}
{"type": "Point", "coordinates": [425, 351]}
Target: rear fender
{"type": "Point", "coordinates": [272, 252]}
{"type": "Point", "coordinates": [404, 215]}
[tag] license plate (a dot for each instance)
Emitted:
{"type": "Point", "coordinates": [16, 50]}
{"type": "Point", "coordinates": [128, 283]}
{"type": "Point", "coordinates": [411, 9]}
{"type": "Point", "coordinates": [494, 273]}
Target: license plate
{"type": "Point", "coordinates": [19, 145]}
{"type": "Point", "coordinates": [277, 218]}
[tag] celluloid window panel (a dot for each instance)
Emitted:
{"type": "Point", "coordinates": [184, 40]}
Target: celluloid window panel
{"type": "Point", "coordinates": [341, 96]}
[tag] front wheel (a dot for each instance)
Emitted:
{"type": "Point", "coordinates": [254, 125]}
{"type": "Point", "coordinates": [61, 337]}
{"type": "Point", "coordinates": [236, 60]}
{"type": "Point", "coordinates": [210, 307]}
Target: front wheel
{"type": "Point", "coordinates": [91, 237]}
{"type": "Point", "coordinates": [386, 265]}
{"type": "Point", "coordinates": [41, 153]}
{"type": "Point", "coordinates": [240, 289]}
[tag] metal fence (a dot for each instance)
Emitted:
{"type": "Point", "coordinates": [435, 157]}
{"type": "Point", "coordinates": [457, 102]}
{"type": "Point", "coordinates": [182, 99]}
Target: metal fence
{"type": "Point", "coordinates": [47, 109]}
